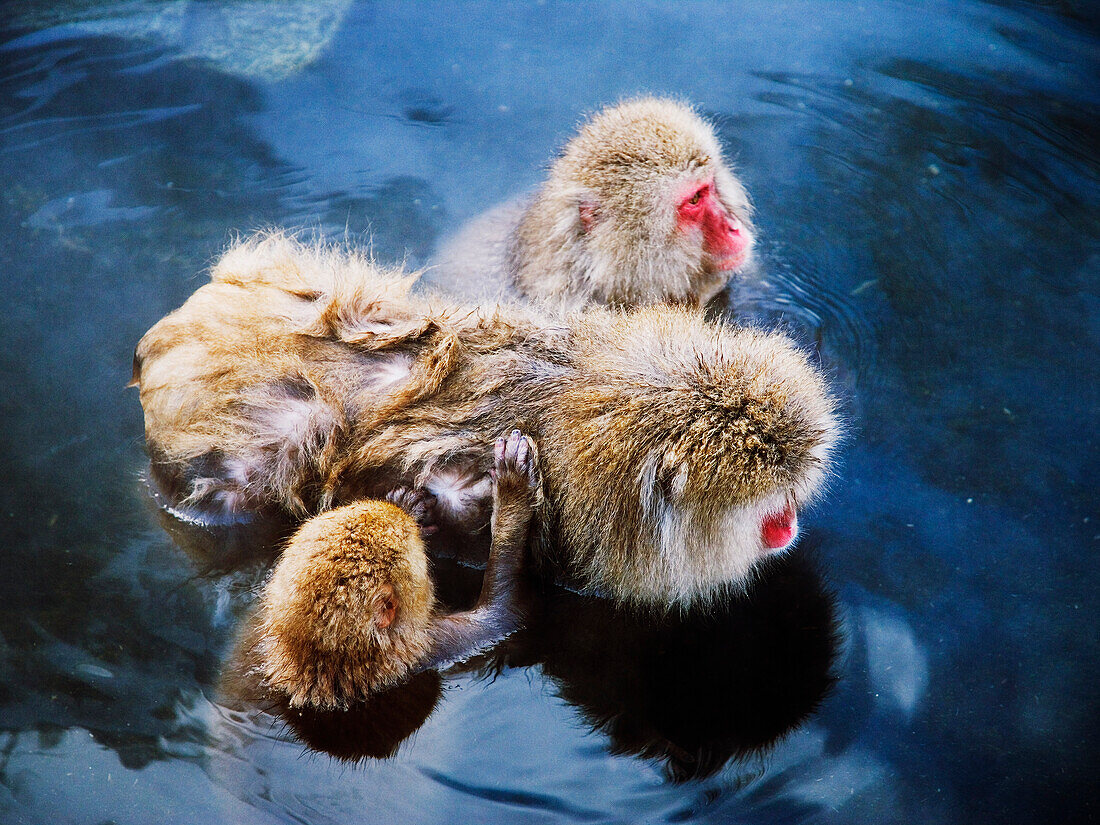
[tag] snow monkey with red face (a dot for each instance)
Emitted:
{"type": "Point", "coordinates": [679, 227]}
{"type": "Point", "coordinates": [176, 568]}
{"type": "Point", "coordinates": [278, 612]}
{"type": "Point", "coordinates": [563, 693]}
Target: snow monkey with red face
{"type": "Point", "coordinates": [673, 454]}
{"type": "Point", "coordinates": [640, 208]}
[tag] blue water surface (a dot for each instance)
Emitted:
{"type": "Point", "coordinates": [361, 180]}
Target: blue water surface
{"type": "Point", "coordinates": [927, 180]}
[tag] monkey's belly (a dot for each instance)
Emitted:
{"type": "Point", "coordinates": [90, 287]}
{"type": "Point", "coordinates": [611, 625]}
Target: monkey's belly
{"type": "Point", "coordinates": [463, 494]}
{"type": "Point", "coordinates": [277, 447]}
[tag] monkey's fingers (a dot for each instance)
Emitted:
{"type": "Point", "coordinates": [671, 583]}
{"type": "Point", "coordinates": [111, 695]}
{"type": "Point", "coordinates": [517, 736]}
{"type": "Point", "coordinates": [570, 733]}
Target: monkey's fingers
{"type": "Point", "coordinates": [516, 461]}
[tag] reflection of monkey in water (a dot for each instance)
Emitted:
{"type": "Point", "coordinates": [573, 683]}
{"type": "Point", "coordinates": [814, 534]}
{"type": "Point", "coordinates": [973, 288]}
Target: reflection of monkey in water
{"type": "Point", "coordinates": [695, 688]}
{"type": "Point", "coordinates": [674, 453]}
{"type": "Point", "coordinates": [640, 208]}
{"type": "Point", "coordinates": [690, 689]}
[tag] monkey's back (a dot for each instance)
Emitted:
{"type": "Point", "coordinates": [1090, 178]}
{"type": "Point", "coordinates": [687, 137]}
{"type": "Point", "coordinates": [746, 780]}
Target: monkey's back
{"type": "Point", "coordinates": [302, 375]}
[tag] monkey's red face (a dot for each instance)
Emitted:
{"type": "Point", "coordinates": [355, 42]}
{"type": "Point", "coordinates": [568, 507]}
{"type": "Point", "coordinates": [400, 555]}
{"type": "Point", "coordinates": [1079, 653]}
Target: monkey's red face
{"type": "Point", "coordinates": [725, 238]}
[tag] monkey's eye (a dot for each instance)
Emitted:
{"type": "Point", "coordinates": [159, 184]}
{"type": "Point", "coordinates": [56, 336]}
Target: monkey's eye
{"type": "Point", "coordinates": [691, 208]}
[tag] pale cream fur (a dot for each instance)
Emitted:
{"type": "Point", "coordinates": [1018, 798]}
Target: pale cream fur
{"type": "Point", "coordinates": [627, 166]}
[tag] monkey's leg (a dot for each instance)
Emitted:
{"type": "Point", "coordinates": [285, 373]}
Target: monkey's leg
{"type": "Point", "coordinates": [501, 607]}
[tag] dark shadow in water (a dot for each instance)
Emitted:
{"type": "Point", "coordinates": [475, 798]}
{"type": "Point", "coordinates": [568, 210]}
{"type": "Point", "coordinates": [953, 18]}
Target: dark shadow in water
{"type": "Point", "coordinates": [696, 689]}
{"type": "Point", "coordinates": [692, 690]}
{"type": "Point", "coordinates": [373, 729]}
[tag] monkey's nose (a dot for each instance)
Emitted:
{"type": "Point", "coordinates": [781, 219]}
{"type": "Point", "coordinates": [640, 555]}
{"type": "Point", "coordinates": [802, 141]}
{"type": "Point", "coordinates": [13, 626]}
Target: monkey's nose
{"type": "Point", "coordinates": [779, 529]}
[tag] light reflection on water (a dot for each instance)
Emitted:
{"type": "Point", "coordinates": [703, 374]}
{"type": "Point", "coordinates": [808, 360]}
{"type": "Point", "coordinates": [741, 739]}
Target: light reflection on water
{"type": "Point", "coordinates": [926, 178]}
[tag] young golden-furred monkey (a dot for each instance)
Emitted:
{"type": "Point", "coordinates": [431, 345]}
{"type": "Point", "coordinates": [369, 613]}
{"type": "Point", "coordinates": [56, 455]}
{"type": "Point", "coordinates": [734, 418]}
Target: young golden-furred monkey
{"type": "Point", "coordinates": [674, 453]}
{"type": "Point", "coordinates": [350, 610]}
{"type": "Point", "coordinates": [640, 208]}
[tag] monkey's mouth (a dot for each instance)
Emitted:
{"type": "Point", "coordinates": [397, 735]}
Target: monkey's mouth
{"type": "Point", "coordinates": [779, 529]}
{"type": "Point", "coordinates": [731, 261]}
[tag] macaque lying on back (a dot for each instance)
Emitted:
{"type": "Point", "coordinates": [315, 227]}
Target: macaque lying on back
{"type": "Point", "coordinates": [674, 453]}
{"type": "Point", "coordinates": [639, 209]}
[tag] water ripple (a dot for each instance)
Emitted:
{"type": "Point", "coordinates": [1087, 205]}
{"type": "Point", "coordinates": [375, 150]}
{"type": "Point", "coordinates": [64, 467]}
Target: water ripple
{"type": "Point", "coordinates": [523, 799]}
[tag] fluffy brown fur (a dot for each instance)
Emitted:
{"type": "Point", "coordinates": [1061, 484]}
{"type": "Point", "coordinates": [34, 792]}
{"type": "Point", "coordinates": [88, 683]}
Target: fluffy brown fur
{"type": "Point", "coordinates": [303, 377]}
{"type": "Point", "coordinates": [348, 608]}
{"type": "Point", "coordinates": [602, 228]}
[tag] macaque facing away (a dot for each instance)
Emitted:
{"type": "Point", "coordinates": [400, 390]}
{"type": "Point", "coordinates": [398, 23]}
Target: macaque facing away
{"type": "Point", "coordinates": [639, 209]}
{"type": "Point", "coordinates": [349, 609]}
{"type": "Point", "coordinates": [675, 453]}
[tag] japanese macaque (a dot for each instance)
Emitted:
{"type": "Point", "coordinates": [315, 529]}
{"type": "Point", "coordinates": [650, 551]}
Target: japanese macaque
{"type": "Point", "coordinates": [675, 454]}
{"type": "Point", "coordinates": [639, 209]}
{"type": "Point", "coordinates": [350, 609]}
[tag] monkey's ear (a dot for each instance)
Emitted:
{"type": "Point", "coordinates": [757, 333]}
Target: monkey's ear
{"type": "Point", "coordinates": [671, 477]}
{"type": "Point", "coordinates": [384, 607]}
{"type": "Point", "coordinates": [588, 210]}
{"type": "Point", "coordinates": [135, 372]}
{"type": "Point", "coordinates": [662, 481]}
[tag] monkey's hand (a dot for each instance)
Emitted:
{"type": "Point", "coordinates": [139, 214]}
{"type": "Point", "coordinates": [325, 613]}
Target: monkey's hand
{"type": "Point", "coordinates": [418, 503]}
{"type": "Point", "coordinates": [517, 485]}
{"type": "Point", "coordinates": [501, 607]}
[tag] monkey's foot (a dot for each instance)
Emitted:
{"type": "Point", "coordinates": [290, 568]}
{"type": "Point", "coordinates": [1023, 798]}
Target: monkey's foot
{"type": "Point", "coordinates": [418, 503]}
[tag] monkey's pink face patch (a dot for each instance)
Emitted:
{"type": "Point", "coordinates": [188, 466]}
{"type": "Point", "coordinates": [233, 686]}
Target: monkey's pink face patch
{"type": "Point", "coordinates": [779, 529]}
{"type": "Point", "coordinates": [725, 237]}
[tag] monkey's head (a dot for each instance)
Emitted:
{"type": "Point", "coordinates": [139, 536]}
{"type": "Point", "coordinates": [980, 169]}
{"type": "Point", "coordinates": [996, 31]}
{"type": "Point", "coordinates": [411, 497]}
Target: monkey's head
{"type": "Point", "coordinates": [347, 608]}
{"type": "Point", "coordinates": [686, 453]}
{"type": "Point", "coordinates": [653, 212]}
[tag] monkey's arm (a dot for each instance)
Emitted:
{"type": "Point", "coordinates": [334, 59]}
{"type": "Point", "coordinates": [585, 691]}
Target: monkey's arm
{"type": "Point", "coordinates": [501, 607]}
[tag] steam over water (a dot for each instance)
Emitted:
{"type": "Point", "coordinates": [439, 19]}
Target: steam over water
{"type": "Point", "coordinates": [927, 183]}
